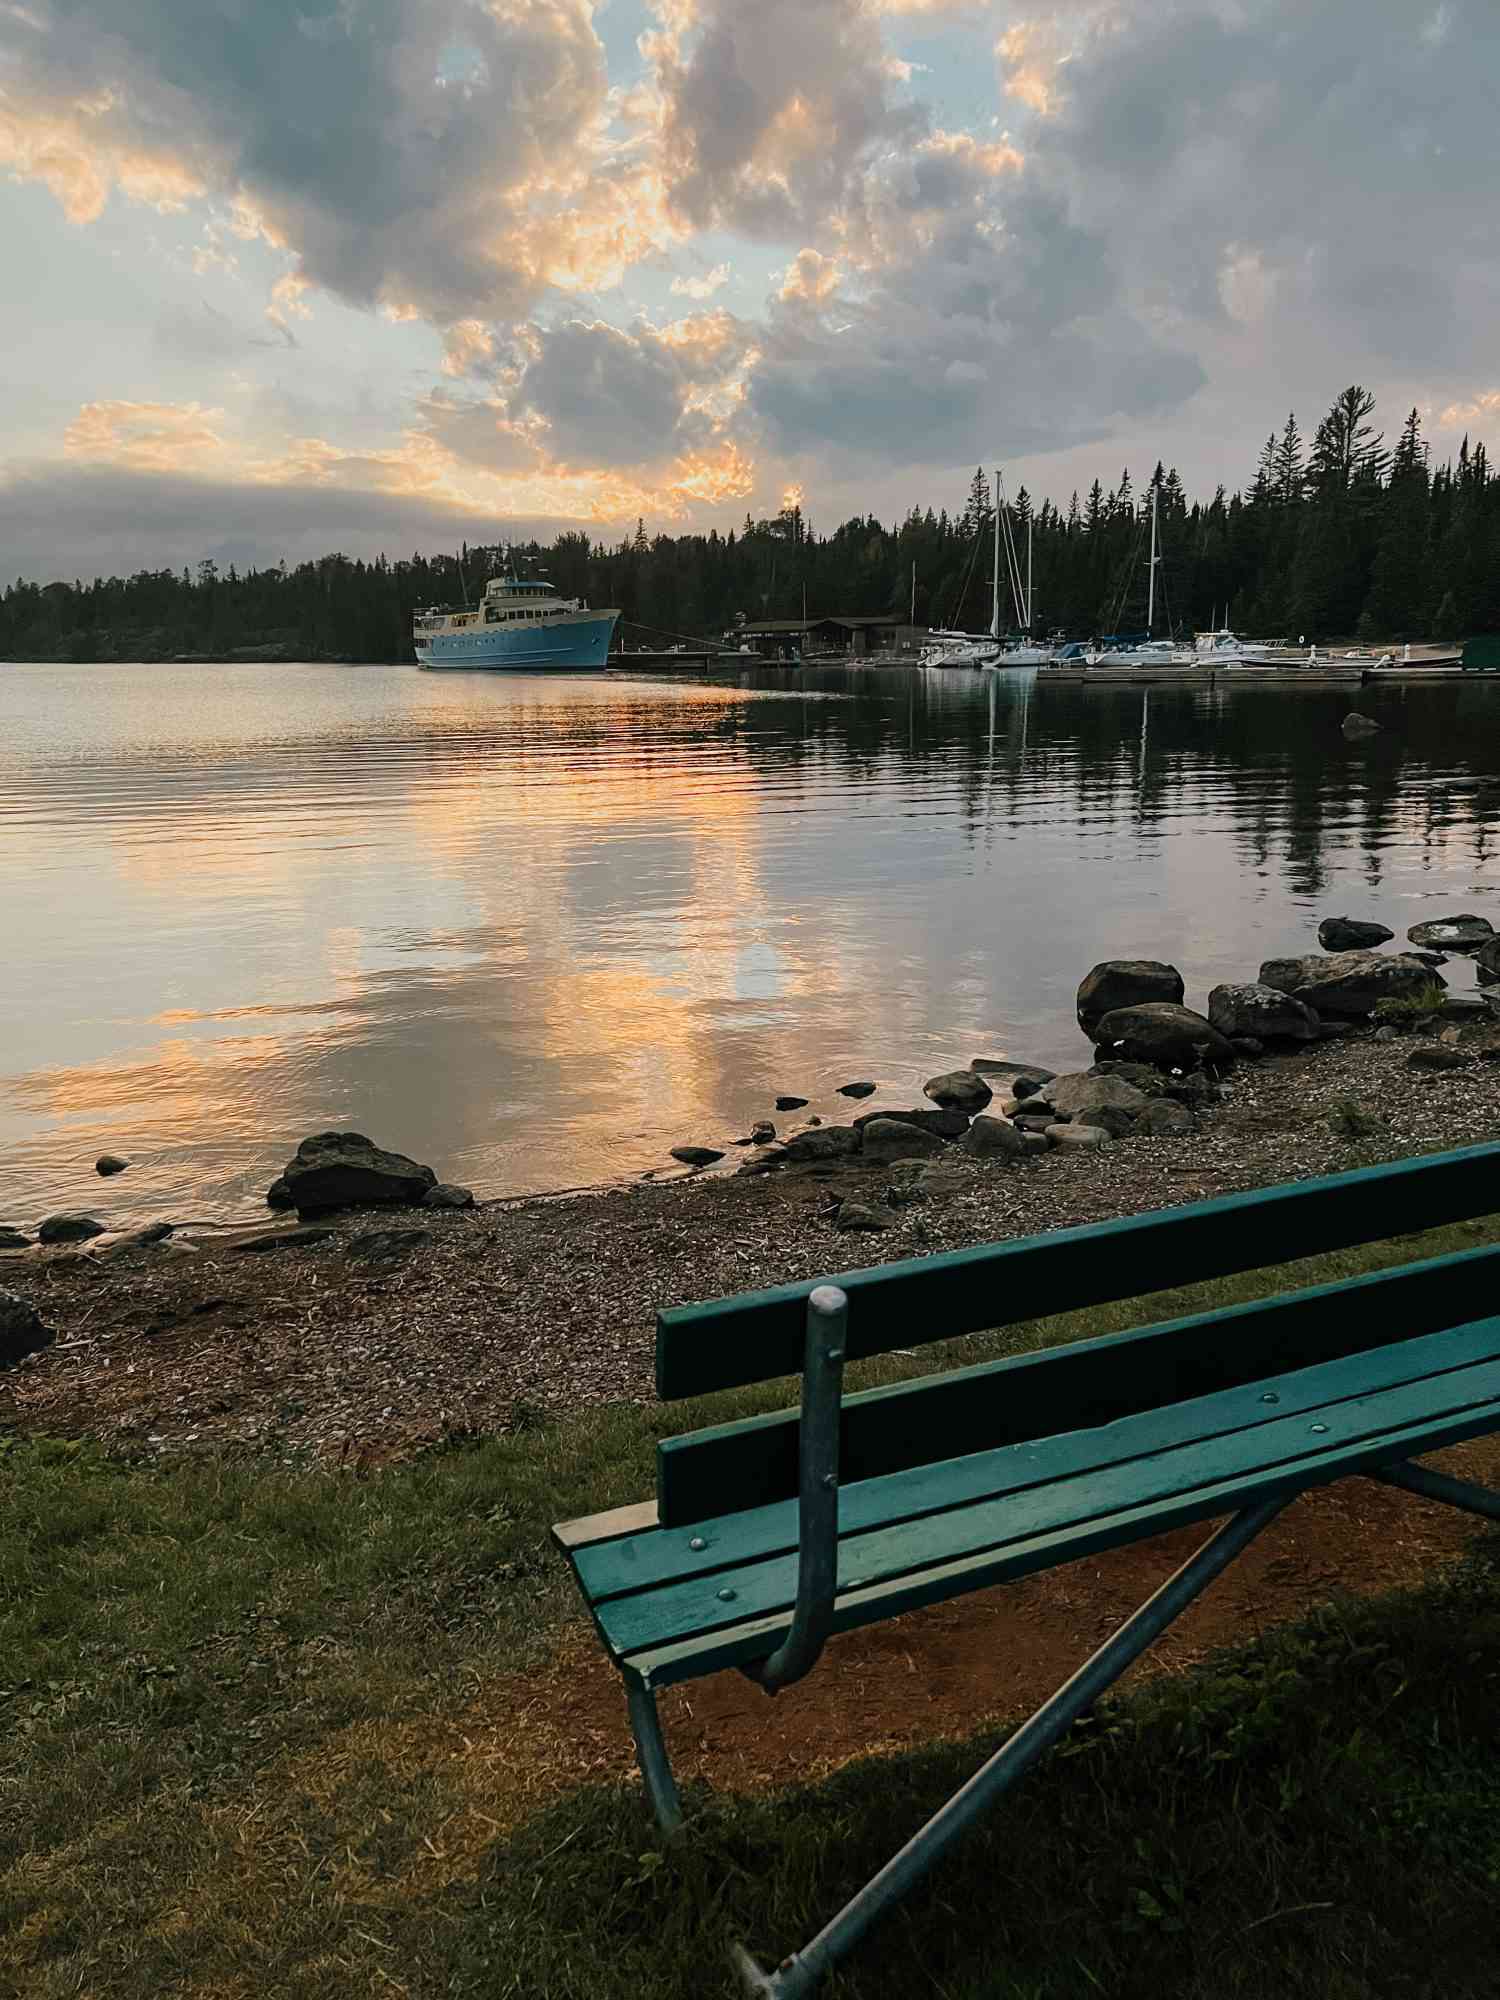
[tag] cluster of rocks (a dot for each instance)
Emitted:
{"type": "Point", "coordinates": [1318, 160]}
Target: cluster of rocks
{"type": "Point", "coordinates": [334, 1170]}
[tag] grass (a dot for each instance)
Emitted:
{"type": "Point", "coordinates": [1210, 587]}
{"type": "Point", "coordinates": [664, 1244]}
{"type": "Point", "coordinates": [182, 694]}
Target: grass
{"type": "Point", "coordinates": [1399, 1010]}
{"type": "Point", "coordinates": [265, 1730]}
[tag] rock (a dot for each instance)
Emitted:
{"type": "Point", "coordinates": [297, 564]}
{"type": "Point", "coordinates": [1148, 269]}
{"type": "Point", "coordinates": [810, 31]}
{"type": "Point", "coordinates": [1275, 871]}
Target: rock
{"type": "Point", "coordinates": [858, 1089]}
{"type": "Point", "coordinates": [1010, 1075]}
{"type": "Point", "coordinates": [110, 1163]}
{"type": "Point", "coordinates": [1077, 1135]}
{"type": "Point", "coordinates": [69, 1229]}
{"type": "Point", "coordinates": [1387, 1034]}
{"type": "Point", "coordinates": [790, 1103]}
{"type": "Point", "coordinates": [1247, 1046]}
{"type": "Point", "coordinates": [1463, 933]}
{"type": "Point", "coordinates": [696, 1156]}
{"type": "Point", "coordinates": [829, 1142]}
{"type": "Point", "coordinates": [938, 1178]}
{"type": "Point", "coordinates": [1118, 1124]}
{"type": "Point", "coordinates": [946, 1124]}
{"type": "Point", "coordinates": [1429, 957]}
{"type": "Point", "coordinates": [762, 1132]}
{"type": "Point", "coordinates": [447, 1194]}
{"type": "Point", "coordinates": [988, 1137]}
{"type": "Point", "coordinates": [1035, 1121]}
{"type": "Point", "coordinates": [1164, 1118]}
{"type": "Point", "coordinates": [1487, 958]}
{"type": "Point", "coordinates": [1075, 1098]}
{"type": "Point", "coordinates": [1148, 1081]}
{"type": "Point", "coordinates": [1125, 982]}
{"type": "Point", "coordinates": [279, 1193]}
{"type": "Point", "coordinates": [347, 1170]}
{"type": "Point", "coordinates": [1462, 1007]}
{"type": "Point", "coordinates": [855, 1215]}
{"type": "Point", "coordinates": [1356, 724]}
{"type": "Point", "coordinates": [1348, 984]}
{"type": "Point", "coordinates": [1351, 934]}
{"type": "Point", "coordinates": [22, 1330]}
{"type": "Point", "coordinates": [1026, 1083]}
{"type": "Point", "coordinates": [1037, 1142]}
{"type": "Point", "coordinates": [1262, 1012]}
{"type": "Point", "coordinates": [385, 1246]}
{"type": "Point", "coordinates": [1166, 1035]}
{"type": "Point", "coordinates": [889, 1139]}
{"type": "Point", "coordinates": [1437, 1058]}
{"type": "Point", "coordinates": [13, 1239]}
{"type": "Point", "coordinates": [958, 1090]}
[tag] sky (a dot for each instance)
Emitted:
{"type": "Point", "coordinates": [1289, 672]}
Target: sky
{"type": "Point", "coordinates": [287, 276]}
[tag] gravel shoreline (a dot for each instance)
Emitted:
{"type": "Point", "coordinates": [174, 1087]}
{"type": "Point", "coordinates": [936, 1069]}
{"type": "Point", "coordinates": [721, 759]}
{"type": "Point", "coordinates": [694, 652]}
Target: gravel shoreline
{"type": "Point", "coordinates": [547, 1305]}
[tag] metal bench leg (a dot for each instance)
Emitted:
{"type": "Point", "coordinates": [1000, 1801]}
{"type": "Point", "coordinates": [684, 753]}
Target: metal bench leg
{"type": "Point", "coordinates": [798, 1974]}
{"type": "Point", "coordinates": [651, 1755]}
{"type": "Point", "coordinates": [1438, 1486]}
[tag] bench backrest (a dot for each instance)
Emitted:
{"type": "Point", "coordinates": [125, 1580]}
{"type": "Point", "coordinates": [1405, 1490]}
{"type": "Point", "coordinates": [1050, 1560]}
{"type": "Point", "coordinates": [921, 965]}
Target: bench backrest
{"type": "Point", "coordinates": [758, 1336]}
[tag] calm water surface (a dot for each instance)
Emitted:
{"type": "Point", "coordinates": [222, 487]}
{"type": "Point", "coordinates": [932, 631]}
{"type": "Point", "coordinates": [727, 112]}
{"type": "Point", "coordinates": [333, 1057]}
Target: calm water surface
{"type": "Point", "coordinates": [537, 931]}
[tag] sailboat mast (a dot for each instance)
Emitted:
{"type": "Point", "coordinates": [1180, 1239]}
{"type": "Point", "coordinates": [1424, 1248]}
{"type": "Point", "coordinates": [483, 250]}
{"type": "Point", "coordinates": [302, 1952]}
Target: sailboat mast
{"type": "Point", "coordinates": [995, 600]}
{"type": "Point", "coordinates": [1030, 523]}
{"type": "Point", "coordinates": [1151, 597]}
{"type": "Point", "coordinates": [914, 594]}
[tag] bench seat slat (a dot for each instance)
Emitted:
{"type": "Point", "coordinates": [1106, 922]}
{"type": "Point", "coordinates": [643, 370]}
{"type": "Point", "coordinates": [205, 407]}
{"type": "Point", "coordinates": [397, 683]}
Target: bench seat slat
{"type": "Point", "coordinates": [642, 1561]}
{"type": "Point", "coordinates": [1390, 1422]}
{"type": "Point", "coordinates": [753, 1462]}
{"type": "Point", "coordinates": [728, 1343]}
{"type": "Point", "coordinates": [738, 1645]}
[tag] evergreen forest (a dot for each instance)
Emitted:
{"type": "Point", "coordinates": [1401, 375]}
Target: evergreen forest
{"type": "Point", "coordinates": [1341, 535]}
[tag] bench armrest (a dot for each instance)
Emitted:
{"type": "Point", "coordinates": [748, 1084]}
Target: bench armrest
{"type": "Point", "coordinates": [818, 1498]}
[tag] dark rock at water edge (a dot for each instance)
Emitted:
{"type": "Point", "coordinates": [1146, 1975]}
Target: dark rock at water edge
{"type": "Point", "coordinates": [891, 1139]}
{"type": "Point", "coordinates": [1020, 1079]}
{"type": "Point", "coordinates": [1165, 1035]}
{"type": "Point", "coordinates": [13, 1239]}
{"type": "Point", "coordinates": [22, 1329]}
{"type": "Point", "coordinates": [1348, 984]}
{"type": "Point", "coordinates": [109, 1164]}
{"type": "Point", "coordinates": [347, 1170]}
{"type": "Point", "coordinates": [828, 1142]}
{"type": "Point", "coordinates": [1356, 724]}
{"type": "Point", "coordinates": [69, 1229]}
{"type": "Point", "coordinates": [762, 1132]}
{"type": "Point", "coordinates": [1351, 934]}
{"type": "Point", "coordinates": [1461, 933]}
{"type": "Point", "coordinates": [790, 1103]}
{"type": "Point", "coordinates": [958, 1090]}
{"type": "Point", "coordinates": [858, 1089]}
{"type": "Point", "coordinates": [696, 1156]}
{"type": "Point", "coordinates": [1487, 958]}
{"type": "Point", "coordinates": [993, 1138]}
{"type": "Point", "coordinates": [946, 1124]}
{"type": "Point", "coordinates": [1125, 982]}
{"type": "Point", "coordinates": [1081, 1098]}
{"type": "Point", "coordinates": [448, 1194]}
{"type": "Point", "coordinates": [1262, 1012]}
{"type": "Point", "coordinates": [1193, 1089]}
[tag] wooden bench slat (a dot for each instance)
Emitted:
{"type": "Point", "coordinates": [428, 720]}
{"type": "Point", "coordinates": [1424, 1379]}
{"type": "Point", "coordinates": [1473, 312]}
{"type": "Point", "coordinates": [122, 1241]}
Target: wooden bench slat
{"type": "Point", "coordinates": [645, 1561]}
{"type": "Point", "coordinates": [729, 1343]}
{"type": "Point", "coordinates": [737, 1645]}
{"type": "Point", "coordinates": [1420, 1414]}
{"type": "Point", "coordinates": [753, 1462]}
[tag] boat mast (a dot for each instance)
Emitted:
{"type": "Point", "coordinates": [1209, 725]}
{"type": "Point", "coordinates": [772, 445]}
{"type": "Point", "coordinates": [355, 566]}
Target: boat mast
{"type": "Point", "coordinates": [1030, 522]}
{"type": "Point", "coordinates": [995, 603]}
{"type": "Point", "coordinates": [914, 595]}
{"type": "Point", "coordinates": [1151, 596]}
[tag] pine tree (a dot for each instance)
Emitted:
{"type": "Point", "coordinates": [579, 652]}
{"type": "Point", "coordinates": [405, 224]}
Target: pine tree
{"type": "Point", "coordinates": [977, 507]}
{"type": "Point", "coordinates": [1288, 469]}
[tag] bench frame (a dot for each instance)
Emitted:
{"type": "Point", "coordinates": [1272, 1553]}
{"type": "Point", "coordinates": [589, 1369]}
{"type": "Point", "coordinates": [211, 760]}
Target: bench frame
{"type": "Point", "coordinates": [825, 1346]}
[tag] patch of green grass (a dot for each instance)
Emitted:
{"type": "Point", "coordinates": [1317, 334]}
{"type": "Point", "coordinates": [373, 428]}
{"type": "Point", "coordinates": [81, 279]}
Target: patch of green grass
{"type": "Point", "coordinates": [232, 1710]}
{"type": "Point", "coordinates": [1349, 1119]}
{"type": "Point", "coordinates": [1400, 1010]}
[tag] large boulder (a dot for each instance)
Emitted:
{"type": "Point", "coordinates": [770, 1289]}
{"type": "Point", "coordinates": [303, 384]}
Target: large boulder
{"type": "Point", "coordinates": [1076, 1097]}
{"type": "Point", "coordinates": [1347, 985]}
{"type": "Point", "coordinates": [946, 1124]}
{"type": "Point", "coordinates": [1261, 1012]}
{"type": "Point", "coordinates": [826, 1142]}
{"type": "Point", "coordinates": [958, 1090]}
{"type": "Point", "coordinates": [1351, 934]}
{"type": "Point", "coordinates": [1487, 958]}
{"type": "Point", "coordinates": [888, 1139]}
{"type": "Point", "coordinates": [1125, 982]}
{"type": "Point", "coordinates": [1166, 1036]}
{"type": "Point", "coordinates": [1462, 933]}
{"type": "Point", "coordinates": [347, 1170]}
{"type": "Point", "coordinates": [1165, 1118]}
{"type": "Point", "coordinates": [989, 1138]}
{"type": "Point", "coordinates": [22, 1331]}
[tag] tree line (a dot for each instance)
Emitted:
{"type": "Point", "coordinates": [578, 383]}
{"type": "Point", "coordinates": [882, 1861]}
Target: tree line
{"type": "Point", "coordinates": [1342, 535]}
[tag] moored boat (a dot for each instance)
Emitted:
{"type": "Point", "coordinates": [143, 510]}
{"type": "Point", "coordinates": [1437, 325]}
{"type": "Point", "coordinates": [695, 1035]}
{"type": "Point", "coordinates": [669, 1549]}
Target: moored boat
{"type": "Point", "coordinates": [520, 625]}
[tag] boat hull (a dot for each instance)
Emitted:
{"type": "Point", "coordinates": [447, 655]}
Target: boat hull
{"type": "Point", "coordinates": [560, 646]}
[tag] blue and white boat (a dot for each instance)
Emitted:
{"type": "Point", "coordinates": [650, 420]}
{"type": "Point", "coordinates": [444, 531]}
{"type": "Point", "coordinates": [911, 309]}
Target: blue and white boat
{"type": "Point", "coordinates": [519, 626]}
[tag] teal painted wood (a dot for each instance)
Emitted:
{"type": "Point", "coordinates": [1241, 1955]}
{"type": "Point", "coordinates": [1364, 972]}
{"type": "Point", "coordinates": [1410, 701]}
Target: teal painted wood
{"type": "Point", "coordinates": [753, 1462]}
{"type": "Point", "coordinates": [659, 1556]}
{"type": "Point", "coordinates": [728, 1343]}
{"type": "Point", "coordinates": [707, 1652]}
{"type": "Point", "coordinates": [1301, 1445]}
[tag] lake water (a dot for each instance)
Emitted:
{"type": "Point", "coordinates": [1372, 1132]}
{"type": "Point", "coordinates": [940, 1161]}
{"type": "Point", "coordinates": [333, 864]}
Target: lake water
{"type": "Point", "coordinates": [537, 931]}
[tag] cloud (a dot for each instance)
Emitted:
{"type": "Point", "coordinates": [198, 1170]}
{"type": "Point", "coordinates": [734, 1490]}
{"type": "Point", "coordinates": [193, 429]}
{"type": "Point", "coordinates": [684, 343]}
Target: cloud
{"type": "Point", "coordinates": [150, 437]}
{"type": "Point", "coordinates": [704, 287]}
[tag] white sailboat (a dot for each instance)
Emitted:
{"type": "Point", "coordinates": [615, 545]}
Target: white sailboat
{"type": "Point", "coordinates": [1020, 652]}
{"type": "Point", "coordinates": [1147, 652]}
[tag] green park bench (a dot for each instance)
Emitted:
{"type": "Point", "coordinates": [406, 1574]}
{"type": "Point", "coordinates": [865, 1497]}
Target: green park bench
{"type": "Point", "coordinates": [769, 1534]}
